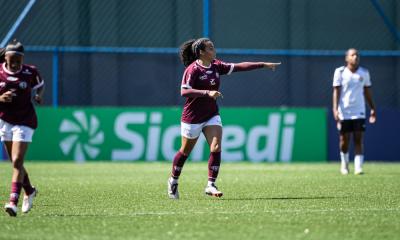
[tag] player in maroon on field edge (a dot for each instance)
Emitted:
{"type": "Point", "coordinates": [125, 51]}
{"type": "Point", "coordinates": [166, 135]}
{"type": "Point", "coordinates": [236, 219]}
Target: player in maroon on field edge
{"type": "Point", "coordinates": [200, 85]}
{"type": "Point", "coordinates": [18, 119]}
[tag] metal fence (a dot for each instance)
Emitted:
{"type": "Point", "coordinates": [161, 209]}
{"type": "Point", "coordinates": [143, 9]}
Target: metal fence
{"type": "Point", "coordinates": [124, 52]}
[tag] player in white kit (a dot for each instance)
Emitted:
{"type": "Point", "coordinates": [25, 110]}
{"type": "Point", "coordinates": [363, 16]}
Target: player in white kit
{"type": "Point", "coordinates": [351, 88]}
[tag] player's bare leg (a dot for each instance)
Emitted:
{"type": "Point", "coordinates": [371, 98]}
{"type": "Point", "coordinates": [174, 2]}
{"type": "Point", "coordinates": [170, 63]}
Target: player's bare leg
{"type": "Point", "coordinates": [213, 136]}
{"type": "Point", "coordinates": [358, 152]}
{"type": "Point", "coordinates": [18, 151]}
{"type": "Point", "coordinates": [177, 166]}
{"type": "Point", "coordinates": [344, 152]}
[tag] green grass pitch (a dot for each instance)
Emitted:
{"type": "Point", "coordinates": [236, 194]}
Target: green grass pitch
{"type": "Point", "coordinates": [261, 201]}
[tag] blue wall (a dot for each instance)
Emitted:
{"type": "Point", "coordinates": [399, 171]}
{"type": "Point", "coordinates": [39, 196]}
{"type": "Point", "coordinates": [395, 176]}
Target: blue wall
{"type": "Point", "coordinates": [381, 139]}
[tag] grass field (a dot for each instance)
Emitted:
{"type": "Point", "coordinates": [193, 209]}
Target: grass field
{"type": "Point", "coordinates": [261, 201]}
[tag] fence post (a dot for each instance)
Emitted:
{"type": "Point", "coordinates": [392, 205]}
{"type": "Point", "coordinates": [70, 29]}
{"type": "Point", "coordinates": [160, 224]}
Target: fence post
{"type": "Point", "coordinates": [206, 18]}
{"type": "Point", "coordinates": [55, 79]}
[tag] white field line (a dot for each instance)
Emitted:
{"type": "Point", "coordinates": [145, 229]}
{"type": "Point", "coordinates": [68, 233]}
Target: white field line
{"type": "Point", "coordinates": [192, 213]}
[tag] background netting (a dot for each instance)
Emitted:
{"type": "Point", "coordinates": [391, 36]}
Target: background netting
{"type": "Point", "coordinates": [133, 79]}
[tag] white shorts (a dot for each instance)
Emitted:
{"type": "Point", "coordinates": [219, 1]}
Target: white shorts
{"type": "Point", "coordinates": [192, 131]}
{"type": "Point", "coordinates": [15, 133]}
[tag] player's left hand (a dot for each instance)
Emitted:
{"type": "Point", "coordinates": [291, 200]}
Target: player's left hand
{"type": "Point", "coordinates": [38, 99]}
{"type": "Point", "coordinates": [372, 119]}
{"type": "Point", "coordinates": [271, 66]}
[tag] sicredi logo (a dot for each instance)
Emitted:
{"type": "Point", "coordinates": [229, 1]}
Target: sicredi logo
{"type": "Point", "coordinates": [73, 142]}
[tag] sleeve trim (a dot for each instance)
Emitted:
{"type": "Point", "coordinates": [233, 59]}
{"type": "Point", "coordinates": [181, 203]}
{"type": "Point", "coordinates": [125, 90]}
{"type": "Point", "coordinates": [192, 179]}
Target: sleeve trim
{"type": "Point", "coordinates": [39, 85]}
{"type": "Point", "coordinates": [186, 86]}
{"type": "Point", "coordinates": [230, 71]}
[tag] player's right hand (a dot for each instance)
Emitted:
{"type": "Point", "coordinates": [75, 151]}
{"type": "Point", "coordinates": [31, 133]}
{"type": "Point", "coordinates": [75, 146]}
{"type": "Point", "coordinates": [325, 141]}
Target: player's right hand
{"type": "Point", "coordinates": [336, 115]}
{"type": "Point", "coordinates": [215, 94]}
{"type": "Point", "coordinates": [6, 97]}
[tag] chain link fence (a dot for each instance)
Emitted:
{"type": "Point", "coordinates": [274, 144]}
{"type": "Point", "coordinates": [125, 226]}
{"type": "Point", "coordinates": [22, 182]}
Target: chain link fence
{"type": "Point", "coordinates": [153, 79]}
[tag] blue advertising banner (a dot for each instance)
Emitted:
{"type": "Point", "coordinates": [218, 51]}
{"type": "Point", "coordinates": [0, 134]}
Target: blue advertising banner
{"type": "Point", "coordinates": [381, 139]}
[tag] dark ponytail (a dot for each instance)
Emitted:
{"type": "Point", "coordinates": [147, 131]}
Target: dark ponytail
{"type": "Point", "coordinates": [190, 50]}
{"type": "Point", "coordinates": [14, 46]}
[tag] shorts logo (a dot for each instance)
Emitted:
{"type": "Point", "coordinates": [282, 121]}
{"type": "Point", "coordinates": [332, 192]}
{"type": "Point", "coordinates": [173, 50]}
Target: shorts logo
{"type": "Point", "coordinates": [22, 136]}
{"type": "Point", "coordinates": [215, 168]}
{"type": "Point", "coordinates": [339, 126]}
{"type": "Point", "coordinates": [189, 135]}
{"type": "Point", "coordinates": [212, 82]}
{"type": "Point", "coordinates": [26, 72]}
{"type": "Point", "coordinates": [209, 72]}
{"type": "Point", "coordinates": [203, 77]}
{"type": "Point", "coordinates": [23, 85]}
{"type": "Point", "coordinates": [179, 169]}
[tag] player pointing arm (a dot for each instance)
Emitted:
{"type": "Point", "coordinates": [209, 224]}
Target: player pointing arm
{"type": "Point", "coordinates": [200, 85]}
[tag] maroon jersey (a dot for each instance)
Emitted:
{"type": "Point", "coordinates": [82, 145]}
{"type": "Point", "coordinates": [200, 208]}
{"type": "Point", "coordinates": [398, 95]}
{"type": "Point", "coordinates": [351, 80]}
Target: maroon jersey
{"type": "Point", "coordinates": [20, 110]}
{"type": "Point", "coordinates": [201, 109]}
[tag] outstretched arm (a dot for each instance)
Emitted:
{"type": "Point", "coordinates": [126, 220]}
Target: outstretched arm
{"type": "Point", "coordinates": [248, 66]}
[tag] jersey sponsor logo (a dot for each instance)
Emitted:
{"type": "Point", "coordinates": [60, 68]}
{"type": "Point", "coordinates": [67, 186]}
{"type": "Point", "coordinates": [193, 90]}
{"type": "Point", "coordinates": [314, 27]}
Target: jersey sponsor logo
{"type": "Point", "coordinates": [203, 77]}
{"type": "Point", "coordinates": [26, 72]}
{"type": "Point", "coordinates": [178, 168]}
{"type": "Point", "coordinates": [212, 82]}
{"type": "Point", "coordinates": [217, 74]}
{"type": "Point", "coordinates": [215, 168]}
{"type": "Point", "coordinates": [23, 85]}
{"type": "Point", "coordinates": [2, 84]}
{"type": "Point", "coordinates": [12, 79]}
{"type": "Point", "coordinates": [209, 72]}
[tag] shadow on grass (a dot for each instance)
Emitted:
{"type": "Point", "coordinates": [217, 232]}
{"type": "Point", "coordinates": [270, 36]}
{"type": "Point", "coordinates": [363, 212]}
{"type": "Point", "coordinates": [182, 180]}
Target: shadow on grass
{"type": "Point", "coordinates": [299, 198]}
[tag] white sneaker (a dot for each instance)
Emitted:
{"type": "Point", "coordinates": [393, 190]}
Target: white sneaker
{"type": "Point", "coordinates": [212, 190]}
{"type": "Point", "coordinates": [11, 209]}
{"type": "Point", "coordinates": [344, 168]}
{"type": "Point", "coordinates": [28, 201]}
{"type": "Point", "coordinates": [172, 190]}
{"type": "Point", "coordinates": [358, 171]}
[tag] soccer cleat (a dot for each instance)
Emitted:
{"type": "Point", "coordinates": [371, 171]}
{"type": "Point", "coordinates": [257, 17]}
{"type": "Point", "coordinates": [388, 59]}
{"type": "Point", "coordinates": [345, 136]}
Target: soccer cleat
{"type": "Point", "coordinates": [212, 190]}
{"type": "Point", "coordinates": [11, 209]}
{"type": "Point", "coordinates": [172, 190]}
{"type": "Point", "coordinates": [28, 201]}
{"type": "Point", "coordinates": [358, 171]}
{"type": "Point", "coordinates": [345, 168]}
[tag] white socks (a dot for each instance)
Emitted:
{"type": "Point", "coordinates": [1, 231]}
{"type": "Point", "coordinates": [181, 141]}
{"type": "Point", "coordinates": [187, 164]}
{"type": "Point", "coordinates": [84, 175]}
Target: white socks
{"type": "Point", "coordinates": [174, 181]}
{"type": "Point", "coordinates": [358, 161]}
{"type": "Point", "coordinates": [210, 183]}
{"type": "Point", "coordinates": [344, 157]}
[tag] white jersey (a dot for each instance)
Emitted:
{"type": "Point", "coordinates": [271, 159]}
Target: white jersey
{"type": "Point", "coordinates": [351, 101]}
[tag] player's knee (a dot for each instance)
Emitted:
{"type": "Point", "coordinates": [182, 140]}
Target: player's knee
{"type": "Point", "coordinates": [216, 148]}
{"type": "Point", "coordinates": [17, 163]}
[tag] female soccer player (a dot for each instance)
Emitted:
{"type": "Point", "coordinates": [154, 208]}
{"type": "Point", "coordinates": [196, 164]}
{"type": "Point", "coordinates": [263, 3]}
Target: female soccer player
{"type": "Point", "coordinates": [200, 86]}
{"type": "Point", "coordinates": [18, 118]}
{"type": "Point", "coordinates": [351, 84]}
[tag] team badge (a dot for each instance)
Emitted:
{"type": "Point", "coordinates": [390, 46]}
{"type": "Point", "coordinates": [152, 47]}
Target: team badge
{"type": "Point", "coordinates": [361, 78]}
{"type": "Point", "coordinates": [23, 85]}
